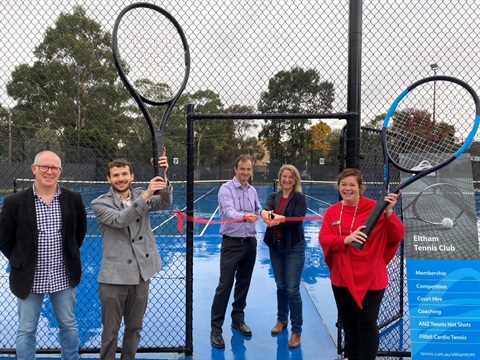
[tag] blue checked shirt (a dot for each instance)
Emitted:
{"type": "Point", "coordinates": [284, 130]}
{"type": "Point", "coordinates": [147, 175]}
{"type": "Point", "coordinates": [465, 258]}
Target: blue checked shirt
{"type": "Point", "coordinates": [50, 274]}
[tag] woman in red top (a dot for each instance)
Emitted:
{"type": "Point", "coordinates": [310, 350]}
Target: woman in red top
{"type": "Point", "coordinates": [359, 277]}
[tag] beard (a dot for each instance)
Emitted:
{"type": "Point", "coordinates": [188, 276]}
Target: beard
{"type": "Point", "coordinates": [121, 187]}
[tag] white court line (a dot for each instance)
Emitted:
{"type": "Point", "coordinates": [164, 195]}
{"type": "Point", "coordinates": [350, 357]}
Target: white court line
{"type": "Point", "coordinates": [213, 214]}
{"type": "Point", "coordinates": [317, 199]}
{"type": "Point", "coordinates": [208, 223]}
{"type": "Point", "coordinates": [183, 209]}
{"type": "Point", "coordinates": [164, 222]}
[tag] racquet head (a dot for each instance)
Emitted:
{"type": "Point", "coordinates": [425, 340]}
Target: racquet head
{"type": "Point", "coordinates": [437, 204]}
{"type": "Point", "coordinates": [152, 57]}
{"type": "Point", "coordinates": [430, 124]}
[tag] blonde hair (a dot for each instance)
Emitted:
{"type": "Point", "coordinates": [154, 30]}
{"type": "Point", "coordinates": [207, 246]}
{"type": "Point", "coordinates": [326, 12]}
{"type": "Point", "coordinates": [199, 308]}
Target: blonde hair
{"type": "Point", "coordinates": [352, 172]}
{"type": "Point", "coordinates": [296, 175]}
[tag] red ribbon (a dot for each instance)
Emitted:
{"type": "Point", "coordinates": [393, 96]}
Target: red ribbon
{"type": "Point", "coordinates": [182, 216]}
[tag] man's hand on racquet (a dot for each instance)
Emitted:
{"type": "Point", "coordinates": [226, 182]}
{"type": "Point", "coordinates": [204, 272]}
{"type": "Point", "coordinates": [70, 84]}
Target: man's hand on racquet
{"type": "Point", "coordinates": [155, 185]}
{"type": "Point", "coordinates": [162, 162]}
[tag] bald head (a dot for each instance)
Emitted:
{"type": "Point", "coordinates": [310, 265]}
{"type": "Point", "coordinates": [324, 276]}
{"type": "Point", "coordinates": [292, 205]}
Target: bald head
{"type": "Point", "coordinates": [47, 154]}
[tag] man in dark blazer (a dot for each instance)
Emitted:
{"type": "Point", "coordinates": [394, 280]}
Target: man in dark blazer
{"type": "Point", "coordinates": [41, 231]}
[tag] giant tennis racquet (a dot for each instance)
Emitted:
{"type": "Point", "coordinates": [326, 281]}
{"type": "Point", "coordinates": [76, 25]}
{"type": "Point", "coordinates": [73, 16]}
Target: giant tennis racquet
{"type": "Point", "coordinates": [429, 125]}
{"type": "Point", "coordinates": [152, 57]}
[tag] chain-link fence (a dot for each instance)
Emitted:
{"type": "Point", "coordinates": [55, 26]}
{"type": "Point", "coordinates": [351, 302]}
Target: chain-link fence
{"type": "Point", "coordinates": [59, 90]}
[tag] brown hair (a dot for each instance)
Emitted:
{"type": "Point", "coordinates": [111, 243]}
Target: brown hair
{"type": "Point", "coordinates": [352, 172]}
{"type": "Point", "coordinates": [119, 163]}
{"type": "Point", "coordinates": [296, 175]}
{"type": "Point", "coordinates": [243, 158]}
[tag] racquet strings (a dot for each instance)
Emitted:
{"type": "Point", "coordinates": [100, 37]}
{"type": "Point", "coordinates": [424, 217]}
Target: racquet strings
{"type": "Point", "coordinates": [152, 54]}
{"type": "Point", "coordinates": [429, 125]}
{"type": "Point", "coordinates": [437, 202]}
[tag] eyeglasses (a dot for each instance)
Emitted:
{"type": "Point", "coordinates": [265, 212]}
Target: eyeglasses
{"type": "Point", "coordinates": [45, 168]}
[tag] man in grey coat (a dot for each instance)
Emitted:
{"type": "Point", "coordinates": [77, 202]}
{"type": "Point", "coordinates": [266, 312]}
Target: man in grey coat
{"type": "Point", "coordinates": [129, 254]}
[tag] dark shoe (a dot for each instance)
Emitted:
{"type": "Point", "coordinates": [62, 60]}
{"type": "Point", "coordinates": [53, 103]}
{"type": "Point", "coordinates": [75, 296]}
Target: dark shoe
{"type": "Point", "coordinates": [294, 341]}
{"type": "Point", "coordinates": [217, 341]}
{"type": "Point", "coordinates": [242, 329]}
{"type": "Point", "coordinates": [279, 326]}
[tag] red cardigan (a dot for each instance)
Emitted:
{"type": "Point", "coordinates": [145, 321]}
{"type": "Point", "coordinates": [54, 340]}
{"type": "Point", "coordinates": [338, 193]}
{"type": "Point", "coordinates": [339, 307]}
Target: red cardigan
{"type": "Point", "coordinates": [359, 270]}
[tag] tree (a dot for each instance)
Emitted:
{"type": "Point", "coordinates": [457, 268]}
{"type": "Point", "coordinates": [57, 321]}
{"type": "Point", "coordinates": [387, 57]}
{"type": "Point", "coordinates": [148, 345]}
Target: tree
{"type": "Point", "coordinates": [294, 91]}
{"type": "Point", "coordinates": [210, 133]}
{"type": "Point", "coordinates": [5, 133]}
{"type": "Point", "coordinates": [376, 122]}
{"type": "Point", "coordinates": [73, 88]}
{"type": "Point", "coordinates": [474, 148]}
{"type": "Point", "coordinates": [245, 141]}
{"type": "Point", "coordinates": [320, 134]}
{"type": "Point", "coordinates": [243, 128]}
{"type": "Point", "coordinates": [334, 146]}
{"type": "Point", "coordinates": [138, 144]}
{"type": "Point", "coordinates": [421, 132]}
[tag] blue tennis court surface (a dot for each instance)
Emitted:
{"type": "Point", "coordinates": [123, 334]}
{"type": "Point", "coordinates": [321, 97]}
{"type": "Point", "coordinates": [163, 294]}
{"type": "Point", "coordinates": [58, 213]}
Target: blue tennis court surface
{"type": "Point", "coordinates": [319, 331]}
{"type": "Point", "coordinates": [319, 312]}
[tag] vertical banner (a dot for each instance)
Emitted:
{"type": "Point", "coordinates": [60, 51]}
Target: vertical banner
{"type": "Point", "coordinates": [443, 263]}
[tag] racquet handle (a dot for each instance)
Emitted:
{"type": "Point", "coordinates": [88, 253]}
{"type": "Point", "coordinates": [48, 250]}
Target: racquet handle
{"type": "Point", "coordinates": [157, 151]}
{"type": "Point", "coordinates": [372, 219]}
{"type": "Point", "coordinates": [159, 171]}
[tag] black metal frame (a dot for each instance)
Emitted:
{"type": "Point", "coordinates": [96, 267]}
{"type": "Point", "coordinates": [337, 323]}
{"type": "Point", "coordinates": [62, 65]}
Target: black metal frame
{"type": "Point", "coordinates": [401, 254]}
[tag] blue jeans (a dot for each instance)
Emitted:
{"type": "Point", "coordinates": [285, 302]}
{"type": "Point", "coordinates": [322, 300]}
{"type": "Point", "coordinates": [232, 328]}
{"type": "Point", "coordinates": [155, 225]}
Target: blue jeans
{"type": "Point", "coordinates": [29, 310]}
{"type": "Point", "coordinates": [287, 269]}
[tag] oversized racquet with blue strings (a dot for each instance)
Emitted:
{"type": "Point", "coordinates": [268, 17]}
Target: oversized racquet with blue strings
{"type": "Point", "coordinates": [430, 124]}
{"type": "Point", "coordinates": [152, 57]}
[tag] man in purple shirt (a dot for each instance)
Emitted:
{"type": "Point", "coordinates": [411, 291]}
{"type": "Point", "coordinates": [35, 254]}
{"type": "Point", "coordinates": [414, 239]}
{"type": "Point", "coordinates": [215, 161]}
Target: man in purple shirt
{"type": "Point", "coordinates": [239, 209]}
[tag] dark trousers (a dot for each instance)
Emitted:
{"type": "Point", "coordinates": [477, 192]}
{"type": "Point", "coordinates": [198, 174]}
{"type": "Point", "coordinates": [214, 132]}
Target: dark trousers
{"type": "Point", "coordinates": [237, 260]}
{"type": "Point", "coordinates": [129, 302]}
{"type": "Point", "coordinates": [360, 325]}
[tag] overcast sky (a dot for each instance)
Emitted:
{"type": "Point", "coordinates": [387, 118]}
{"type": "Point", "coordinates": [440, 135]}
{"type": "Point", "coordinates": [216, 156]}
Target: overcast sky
{"type": "Point", "coordinates": [237, 46]}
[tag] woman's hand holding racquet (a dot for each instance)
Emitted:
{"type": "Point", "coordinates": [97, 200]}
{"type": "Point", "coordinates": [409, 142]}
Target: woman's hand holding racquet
{"type": "Point", "coordinates": [356, 237]}
{"type": "Point", "coordinates": [391, 199]}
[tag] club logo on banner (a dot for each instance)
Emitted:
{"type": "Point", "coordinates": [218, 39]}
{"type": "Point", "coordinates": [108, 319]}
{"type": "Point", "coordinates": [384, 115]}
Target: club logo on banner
{"type": "Point", "coordinates": [443, 263]}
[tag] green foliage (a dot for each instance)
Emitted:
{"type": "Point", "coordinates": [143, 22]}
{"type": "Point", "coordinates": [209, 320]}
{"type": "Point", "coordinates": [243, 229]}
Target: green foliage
{"type": "Point", "coordinates": [246, 143]}
{"type": "Point", "coordinates": [71, 96]}
{"type": "Point", "coordinates": [419, 125]}
{"type": "Point", "coordinates": [209, 134]}
{"type": "Point", "coordinates": [72, 89]}
{"type": "Point", "coordinates": [321, 134]}
{"type": "Point", "coordinates": [474, 148]}
{"type": "Point", "coordinates": [294, 91]}
{"type": "Point", "coordinates": [376, 122]}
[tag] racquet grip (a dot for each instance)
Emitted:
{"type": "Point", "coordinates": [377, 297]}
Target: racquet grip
{"type": "Point", "coordinates": [159, 171]}
{"type": "Point", "coordinates": [372, 219]}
